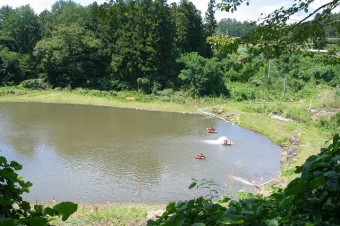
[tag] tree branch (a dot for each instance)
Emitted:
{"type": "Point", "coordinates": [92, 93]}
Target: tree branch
{"type": "Point", "coordinates": [315, 11]}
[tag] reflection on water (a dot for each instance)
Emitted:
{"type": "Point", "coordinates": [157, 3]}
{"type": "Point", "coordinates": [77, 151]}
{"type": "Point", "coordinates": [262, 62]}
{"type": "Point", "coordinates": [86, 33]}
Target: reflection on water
{"type": "Point", "coordinates": [92, 154]}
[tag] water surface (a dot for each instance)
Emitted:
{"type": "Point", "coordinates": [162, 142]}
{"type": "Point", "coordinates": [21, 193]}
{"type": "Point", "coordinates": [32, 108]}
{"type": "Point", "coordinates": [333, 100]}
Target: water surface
{"type": "Point", "coordinates": [94, 154]}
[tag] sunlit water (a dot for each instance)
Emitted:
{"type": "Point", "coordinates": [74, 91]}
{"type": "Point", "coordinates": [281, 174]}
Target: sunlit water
{"type": "Point", "coordinates": [99, 154]}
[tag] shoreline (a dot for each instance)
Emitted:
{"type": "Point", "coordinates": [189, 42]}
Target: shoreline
{"type": "Point", "coordinates": [275, 130]}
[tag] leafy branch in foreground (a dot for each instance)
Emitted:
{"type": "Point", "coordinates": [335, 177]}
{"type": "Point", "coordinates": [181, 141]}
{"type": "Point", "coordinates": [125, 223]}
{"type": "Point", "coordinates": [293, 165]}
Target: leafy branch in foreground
{"type": "Point", "coordinates": [15, 211]}
{"type": "Point", "coordinates": [311, 199]}
{"type": "Point", "coordinates": [275, 34]}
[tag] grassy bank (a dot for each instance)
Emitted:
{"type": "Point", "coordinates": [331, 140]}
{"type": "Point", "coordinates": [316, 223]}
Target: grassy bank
{"type": "Point", "coordinates": [117, 214]}
{"type": "Point", "coordinates": [111, 214]}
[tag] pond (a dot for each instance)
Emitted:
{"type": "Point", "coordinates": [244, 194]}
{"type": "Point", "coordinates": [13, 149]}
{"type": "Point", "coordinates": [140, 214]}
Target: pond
{"type": "Point", "coordinates": [100, 154]}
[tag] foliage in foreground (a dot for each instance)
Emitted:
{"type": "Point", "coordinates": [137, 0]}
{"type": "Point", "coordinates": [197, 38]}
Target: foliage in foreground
{"type": "Point", "coordinates": [15, 211]}
{"type": "Point", "coordinates": [311, 199]}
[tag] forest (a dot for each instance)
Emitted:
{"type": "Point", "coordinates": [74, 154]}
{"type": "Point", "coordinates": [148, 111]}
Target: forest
{"type": "Point", "coordinates": [151, 47]}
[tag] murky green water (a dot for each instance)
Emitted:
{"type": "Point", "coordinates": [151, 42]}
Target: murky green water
{"type": "Point", "coordinates": [95, 154]}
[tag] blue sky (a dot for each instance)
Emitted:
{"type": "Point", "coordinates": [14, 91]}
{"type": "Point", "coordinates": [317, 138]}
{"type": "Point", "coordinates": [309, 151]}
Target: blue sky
{"type": "Point", "coordinates": [251, 12]}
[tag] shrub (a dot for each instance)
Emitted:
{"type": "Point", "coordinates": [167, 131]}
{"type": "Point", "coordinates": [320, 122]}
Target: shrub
{"type": "Point", "coordinates": [15, 211]}
{"type": "Point", "coordinates": [144, 85]}
{"type": "Point", "coordinates": [38, 84]}
{"type": "Point", "coordinates": [241, 92]}
{"type": "Point", "coordinates": [201, 77]}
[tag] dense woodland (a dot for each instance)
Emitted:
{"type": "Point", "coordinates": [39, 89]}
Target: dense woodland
{"type": "Point", "coordinates": [152, 47]}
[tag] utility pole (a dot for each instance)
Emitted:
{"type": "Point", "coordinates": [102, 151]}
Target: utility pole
{"type": "Point", "coordinates": [284, 87]}
{"type": "Point", "coordinates": [284, 81]}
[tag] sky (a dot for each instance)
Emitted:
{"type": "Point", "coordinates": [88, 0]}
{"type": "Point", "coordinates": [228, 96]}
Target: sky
{"type": "Point", "coordinates": [244, 13]}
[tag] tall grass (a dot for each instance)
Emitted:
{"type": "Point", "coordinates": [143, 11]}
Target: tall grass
{"type": "Point", "coordinates": [115, 214]}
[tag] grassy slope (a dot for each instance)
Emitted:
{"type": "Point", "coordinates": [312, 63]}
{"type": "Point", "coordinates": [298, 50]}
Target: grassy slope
{"type": "Point", "coordinates": [129, 101]}
{"type": "Point", "coordinates": [111, 214]}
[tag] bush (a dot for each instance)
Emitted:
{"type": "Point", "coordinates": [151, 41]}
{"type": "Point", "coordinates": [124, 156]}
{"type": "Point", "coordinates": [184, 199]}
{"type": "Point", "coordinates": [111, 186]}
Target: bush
{"type": "Point", "coordinates": [332, 124]}
{"type": "Point", "coordinates": [144, 85]}
{"type": "Point", "coordinates": [201, 76]}
{"type": "Point", "coordinates": [37, 84]}
{"type": "Point", "coordinates": [15, 211]}
{"type": "Point", "coordinates": [241, 92]}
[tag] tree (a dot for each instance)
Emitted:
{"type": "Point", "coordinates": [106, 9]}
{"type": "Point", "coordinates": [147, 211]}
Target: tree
{"type": "Point", "coordinates": [125, 56]}
{"type": "Point", "coordinates": [233, 28]}
{"type": "Point", "coordinates": [144, 46]}
{"type": "Point", "coordinates": [210, 21]}
{"type": "Point", "coordinates": [274, 34]}
{"type": "Point", "coordinates": [209, 25]}
{"type": "Point", "coordinates": [6, 40]}
{"type": "Point", "coordinates": [163, 31]}
{"type": "Point", "coordinates": [189, 34]}
{"type": "Point", "coordinates": [5, 11]}
{"type": "Point", "coordinates": [10, 72]}
{"type": "Point", "coordinates": [22, 26]}
{"type": "Point", "coordinates": [71, 57]}
{"type": "Point", "coordinates": [201, 77]}
{"type": "Point", "coordinates": [46, 22]}
{"type": "Point", "coordinates": [67, 12]}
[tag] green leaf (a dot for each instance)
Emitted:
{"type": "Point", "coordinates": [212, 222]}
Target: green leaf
{"type": "Point", "coordinates": [171, 207]}
{"type": "Point", "coordinates": [8, 173]}
{"type": "Point", "coordinates": [328, 206]}
{"type": "Point", "coordinates": [3, 160]}
{"type": "Point", "coordinates": [224, 199]}
{"type": "Point", "coordinates": [241, 221]}
{"type": "Point", "coordinates": [198, 224]}
{"type": "Point", "coordinates": [39, 208]}
{"type": "Point", "coordinates": [306, 166]}
{"type": "Point", "coordinates": [336, 139]}
{"type": "Point", "coordinates": [37, 221]}
{"type": "Point", "coordinates": [317, 182]}
{"type": "Point", "coordinates": [50, 211]}
{"type": "Point", "coordinates": [193, 184]}
{"type": "Point", "coordinates": [295, 187]}
{"type": "Point", "coordinates": [28, 184]}
{"type": "Point", "coordinates": [333, 185]}
{"type": "Point", "coordinates": [66, 209]}
{"type": "Point", "coordinates": [317, 218]}
{"type": "Point", "coordinates": [272, 222]}
{"type": "Point", "coordinates": [287, 201]}
{"type": "Point", "coordinates": [248, 212]}
{"type": "Point", "coordinates": [336, 158]}
{"type": "Point", "coordinates": [16, 165]}
{"type": "Point", "coordinates": [9, 222]}
{"type": "Point", "coordinates": [332, 174]}
{"type": "Point", "coordinates": [25, 205]}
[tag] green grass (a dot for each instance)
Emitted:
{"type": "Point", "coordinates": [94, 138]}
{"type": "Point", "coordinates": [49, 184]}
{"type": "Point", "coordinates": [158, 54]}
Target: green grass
{"type": "Point", "coordinates": [92, 97]}
{"type": "Point", "coordinates": [114, 214]}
